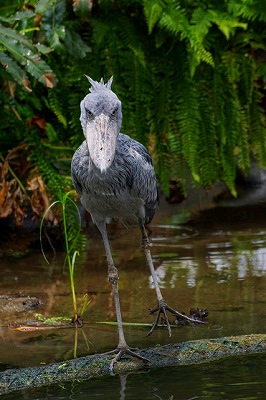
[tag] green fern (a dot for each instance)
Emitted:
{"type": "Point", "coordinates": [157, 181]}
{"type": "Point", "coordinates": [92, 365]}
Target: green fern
{"type": "Point", "coordinates": [172, 17]}
{"type": "Point", "coordinates": [201, 22]}
{"type": "Point", "coordinates": [207, 145]}
{"type": "Point", "coordinates": [248, 9]}
{"type": "Point", "coordinates": [42, 159]}
{"type": "Point", "coordinates": [153, 12]}
{"type": "Point", "coordinates": [188, 123]}
{"type": "Point", "coordinates": [258, 129]}
{"type": "Point", "coordinates": [55, 104]}
{"type": "Point", "coordinates": [191, 77]}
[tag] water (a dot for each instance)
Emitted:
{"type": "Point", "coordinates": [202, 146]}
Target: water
{"type": "Point", "coordinates": [217, 262]}
{"type": "Point", "coordinates": [240, 378]}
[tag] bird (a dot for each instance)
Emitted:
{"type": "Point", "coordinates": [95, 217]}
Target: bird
{"type": "Point", "coordinates": [114, 176]}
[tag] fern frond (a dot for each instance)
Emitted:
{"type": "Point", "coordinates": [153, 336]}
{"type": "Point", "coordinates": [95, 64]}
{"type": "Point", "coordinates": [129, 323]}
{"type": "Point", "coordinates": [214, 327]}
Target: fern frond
{"type": "Point", "coordinates": [193, 34]}
{"type": "Point", "coordinates": [232, 68]}
{"type": "Point", "coordinates": [258, 129]}
{"type": "Point", "coordinates": [56, 106]}
{"type": "Point", "coordinates": [227, 24]}
{"type": "Point", "coordinates": [56, 183]}
{"type": "Point", "coordinates": [249, 9]}
{"type": "Point", "coordinates": [153, 11]}
{"type": "Point", "coordinates": [227, 149]}
{"type": "Point", "coordinates": [178, 166]}
{"type": "Point", "coordinates": [207, 148]}
{"type": "Point", "coordinates": [162, 163]}
{"type": "Point", "coordinates": [130, 38]}
{"type": "Point", "coordinates": [188, 123]}
{"type": "Point", "coordinates": [201, 21]}
{"type": "Point", "coordinates": [261, 71]}
{"type": "Point", "coordinates": [100, 30]}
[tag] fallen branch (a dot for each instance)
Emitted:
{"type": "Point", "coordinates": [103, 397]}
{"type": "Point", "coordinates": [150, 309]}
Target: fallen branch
{"type": "Point", "coordinates": [192, 352]}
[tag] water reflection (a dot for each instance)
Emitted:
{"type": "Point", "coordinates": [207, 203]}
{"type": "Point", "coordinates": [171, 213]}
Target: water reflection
{"type": "Point", "coordinates": [172, 234]}
{"type": "Point", "coordinates": [218, 265]}
{"type": "Point", "coordinates": [236, 378]}
{"type": "Point", "coordinates": [244, 255]}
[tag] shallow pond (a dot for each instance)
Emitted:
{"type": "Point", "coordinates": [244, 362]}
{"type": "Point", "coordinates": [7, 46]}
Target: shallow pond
{"type": "Point", "coordinates": [217, 261]}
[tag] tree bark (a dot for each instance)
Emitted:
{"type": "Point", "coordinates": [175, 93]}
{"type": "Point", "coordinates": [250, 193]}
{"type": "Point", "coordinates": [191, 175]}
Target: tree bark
{"type": "Point", "coordinates": [191, 352]}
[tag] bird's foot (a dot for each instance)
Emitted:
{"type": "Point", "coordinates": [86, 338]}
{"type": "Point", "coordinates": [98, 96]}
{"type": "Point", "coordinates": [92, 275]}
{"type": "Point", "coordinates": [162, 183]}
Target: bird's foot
{"type": "Point", "coordinates": [162, 308]}
{"type": "Point", "coordinates": [120, 352]}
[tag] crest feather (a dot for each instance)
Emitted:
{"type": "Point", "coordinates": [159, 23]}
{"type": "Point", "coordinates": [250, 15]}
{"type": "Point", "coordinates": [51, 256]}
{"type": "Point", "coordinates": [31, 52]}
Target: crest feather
{"type": "Point", "coordinates": [99, 85]}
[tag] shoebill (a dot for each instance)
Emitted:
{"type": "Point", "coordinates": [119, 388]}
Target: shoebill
{"type": "Point", "coordinates": [114, 176]}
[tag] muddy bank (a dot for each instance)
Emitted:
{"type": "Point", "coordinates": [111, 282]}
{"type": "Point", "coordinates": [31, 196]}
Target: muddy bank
{"type": "Point", "coordinates": [18, 304]}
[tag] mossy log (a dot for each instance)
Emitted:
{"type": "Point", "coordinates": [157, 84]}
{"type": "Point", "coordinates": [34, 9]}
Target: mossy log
{"type": "Point", "coordinates": [191, 352]}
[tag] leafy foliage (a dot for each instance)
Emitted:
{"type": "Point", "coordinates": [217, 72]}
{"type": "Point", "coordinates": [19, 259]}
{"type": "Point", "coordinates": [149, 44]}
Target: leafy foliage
{"type": "Point", "coordinates": [191, 77]}
{"type": "Point", "coordinates": [21, 51]}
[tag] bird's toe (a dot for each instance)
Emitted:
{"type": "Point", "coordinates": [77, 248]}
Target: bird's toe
{"type": "Point", "coordinates": [122, 351]}
{"type": "Point", "coordinates": [162, 308]}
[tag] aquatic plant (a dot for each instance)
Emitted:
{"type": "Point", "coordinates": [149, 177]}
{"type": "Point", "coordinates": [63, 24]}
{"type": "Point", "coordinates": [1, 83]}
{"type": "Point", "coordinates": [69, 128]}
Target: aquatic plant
{"type": "Point", "coordinates": [72, 237]}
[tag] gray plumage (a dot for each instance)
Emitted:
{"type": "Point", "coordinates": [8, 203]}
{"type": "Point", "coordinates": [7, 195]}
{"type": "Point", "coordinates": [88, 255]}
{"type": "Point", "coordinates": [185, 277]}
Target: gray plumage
{"type": "Point", "coordinates": [114, 177]}
{"type": "Point", "coordinates": [127, 190]}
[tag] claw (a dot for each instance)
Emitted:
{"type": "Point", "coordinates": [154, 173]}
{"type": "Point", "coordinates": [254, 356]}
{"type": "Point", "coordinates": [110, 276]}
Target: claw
{"type": "Point", "coordinates": [161, 309]}
{"type": "Point", "coordinates": [120, 351]}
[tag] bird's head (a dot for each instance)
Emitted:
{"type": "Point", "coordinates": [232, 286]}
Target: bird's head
{"type": "Point", "coordinates": [101, 118]}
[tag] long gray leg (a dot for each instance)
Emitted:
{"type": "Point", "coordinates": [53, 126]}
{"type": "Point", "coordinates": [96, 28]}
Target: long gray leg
{"type": "Point", "coordinates": [122, 347]}
{"type": "Point", "coordinates": [162, 305]}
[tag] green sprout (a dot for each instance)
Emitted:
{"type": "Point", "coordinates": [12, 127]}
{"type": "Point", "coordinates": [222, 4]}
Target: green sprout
{"type": "Point", "coordinates": [71, 252]}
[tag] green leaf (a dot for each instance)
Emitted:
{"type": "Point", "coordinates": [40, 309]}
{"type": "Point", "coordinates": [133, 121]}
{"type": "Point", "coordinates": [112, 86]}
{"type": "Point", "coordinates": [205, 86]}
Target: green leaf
{"type": "Point", "coordinates": [26, 54]}
{"type": "Point", "coordinates": [227, 24]}
{"type": "Point", "coordinates": [153, 11]}
{"type": "Point", "coordinates": [11, 34]}
{"type": "Point", "coordinates": [18, 16]}
{"type": "Point", "coordinates": [15, 71]}
{"type": "Point", "coordinates": [42, 48]}
{"type": "Point", "coordinates": [75, 45]}
{"type": "Point", "coordinates": [43, 5]}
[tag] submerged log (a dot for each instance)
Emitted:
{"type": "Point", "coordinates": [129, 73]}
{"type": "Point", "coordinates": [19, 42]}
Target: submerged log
{"type": "Point", "coordinates": [191, 352]}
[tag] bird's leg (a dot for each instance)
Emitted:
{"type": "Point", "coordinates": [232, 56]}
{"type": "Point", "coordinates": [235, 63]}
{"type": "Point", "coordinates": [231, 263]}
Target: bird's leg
{"type": "Point", "coordinates": [122, 347]}
{"type": "Point", "coordinates": [162, 305]}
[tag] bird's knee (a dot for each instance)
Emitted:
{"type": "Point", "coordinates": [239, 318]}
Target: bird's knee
{"type": "Point", "coordinates": [113, 279]}
{"type": "Point", "coordinates": [113, 275]}
{"type": "Point", "coordinates": [146, 244]}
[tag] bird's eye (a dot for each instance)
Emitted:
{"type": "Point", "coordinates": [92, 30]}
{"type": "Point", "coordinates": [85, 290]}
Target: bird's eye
{"type": "Point", "coordinates": [89, 114]}
{"type": "Point", "coordinates": [114, 112]}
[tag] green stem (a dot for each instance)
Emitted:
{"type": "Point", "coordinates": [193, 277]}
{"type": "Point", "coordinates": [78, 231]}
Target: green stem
{"type": "Point", "coordinates": [70, 266]}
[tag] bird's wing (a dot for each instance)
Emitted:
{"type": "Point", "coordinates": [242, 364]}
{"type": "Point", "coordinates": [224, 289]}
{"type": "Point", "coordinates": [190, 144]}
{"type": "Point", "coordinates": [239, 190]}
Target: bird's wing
{"type": "Point", "coordinates": [77, 168]}
{"type": "Point", "coordinates": [142, 180]}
